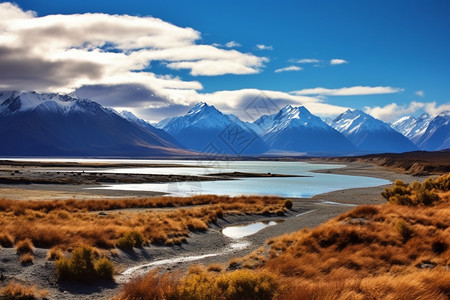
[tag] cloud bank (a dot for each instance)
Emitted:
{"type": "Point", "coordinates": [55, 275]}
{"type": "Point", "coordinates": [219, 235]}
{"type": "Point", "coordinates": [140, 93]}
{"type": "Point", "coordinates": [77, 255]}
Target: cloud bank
{"type": "Point", "coordinates": [349, 91]}
{"type": "Point", "coordinates": [63, 53]}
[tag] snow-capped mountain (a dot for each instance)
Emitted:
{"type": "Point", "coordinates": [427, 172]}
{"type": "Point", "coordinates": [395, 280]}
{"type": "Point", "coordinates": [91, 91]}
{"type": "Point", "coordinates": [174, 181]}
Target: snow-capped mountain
{"type": "Point", "coordinates": [370, 134]}
{"type": "Point", "coordinates": [296, 129]}
{"type": "Point", "coordinates": [437, 134]}
{"type": "Point", "coordinates": [206, 129]}
{"type": "Point", "coordinates": [412, 127]}
{"type": "Point", "coordinates": [33, 124]}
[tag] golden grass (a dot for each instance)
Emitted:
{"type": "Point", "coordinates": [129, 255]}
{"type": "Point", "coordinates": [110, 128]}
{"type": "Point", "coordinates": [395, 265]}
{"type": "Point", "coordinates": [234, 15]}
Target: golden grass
{"type": "Point", "coordinates": [16, 290]}
{"type": "Point", "coordinates": [27, 259]}
{"type": "Point", "coordinates": [79, 223]}
{"type": "Point", "coordinates": [199, 284]}
{"type": "Point", "coordinates": [390, 251]}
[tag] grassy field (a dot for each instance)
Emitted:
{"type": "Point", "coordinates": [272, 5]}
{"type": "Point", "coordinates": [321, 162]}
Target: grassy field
{"type": "Point", "coordinates": [66, 224]}
{"type": "Point", "coordinates": [399, 250]}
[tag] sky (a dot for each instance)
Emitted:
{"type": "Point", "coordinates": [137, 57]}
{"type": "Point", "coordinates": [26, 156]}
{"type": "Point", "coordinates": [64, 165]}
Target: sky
{"type": "Point", "coordinates": [159, 58]}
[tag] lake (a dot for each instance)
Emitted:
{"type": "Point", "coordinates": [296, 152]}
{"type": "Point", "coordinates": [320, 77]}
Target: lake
{"type": "Point", "coordinates": [313, 184]}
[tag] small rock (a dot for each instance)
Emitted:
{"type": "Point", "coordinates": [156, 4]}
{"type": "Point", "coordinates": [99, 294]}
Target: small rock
{"type": "Point", "coordinates": [102, 213]}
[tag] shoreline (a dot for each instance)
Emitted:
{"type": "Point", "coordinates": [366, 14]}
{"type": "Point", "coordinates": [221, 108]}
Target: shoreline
{"type": "Point", "coordinates": [306, 213]}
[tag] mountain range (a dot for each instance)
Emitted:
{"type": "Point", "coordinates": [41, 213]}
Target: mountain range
{"type": "Point", "coordinates": [428, 133]}
{"type": "Point", "coordinates": [33, 124]}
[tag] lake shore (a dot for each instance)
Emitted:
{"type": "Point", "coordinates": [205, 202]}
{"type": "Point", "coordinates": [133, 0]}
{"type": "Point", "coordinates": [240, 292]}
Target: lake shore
{"type": "Point", "coordinates": [305, 213]}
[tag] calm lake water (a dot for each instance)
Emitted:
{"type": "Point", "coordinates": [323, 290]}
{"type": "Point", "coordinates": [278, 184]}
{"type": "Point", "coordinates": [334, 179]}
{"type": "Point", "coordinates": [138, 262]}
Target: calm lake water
{"type": "Point", "coordinates": [315, 183]}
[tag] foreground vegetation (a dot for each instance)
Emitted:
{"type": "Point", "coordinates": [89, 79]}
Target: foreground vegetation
{"type": "Point", "coordinates": [126, 223]}
{"type": "Point", "coordinates": [399, 250]}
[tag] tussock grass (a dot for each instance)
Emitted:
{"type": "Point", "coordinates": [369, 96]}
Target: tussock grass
{"type": "Point", "coordinates": [79, 223]}
{"type": "Point", "coordinates": [201, 284]}
{"type": "Point", "coordinates": [27, 259]}
{"type": "Point", "coordinates": [15, 290]}
{"type": "Point", "coordinates": [24, 246]}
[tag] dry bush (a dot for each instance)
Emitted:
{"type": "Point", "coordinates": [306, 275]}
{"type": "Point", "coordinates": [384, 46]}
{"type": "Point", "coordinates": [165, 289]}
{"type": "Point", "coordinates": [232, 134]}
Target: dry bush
{"type": "Point", "coordinates": [54, 253]}
{"type": "Point", "coordinates": [130, 240]}
{"type": "Point", "coordinates": [83, 266]}
{"type": "Point", "coordinates": [24, 246]}
{"type": "Point", "coordinates": [152, 286]}
{"type": "Point", "coordinates": [27, 259]}
{"type": "Point", "coordinates": [16, 290]}
{"type": "Point", "coordinates": [6, 240]}
{"type": "Point", "coordinates": [215, 268]}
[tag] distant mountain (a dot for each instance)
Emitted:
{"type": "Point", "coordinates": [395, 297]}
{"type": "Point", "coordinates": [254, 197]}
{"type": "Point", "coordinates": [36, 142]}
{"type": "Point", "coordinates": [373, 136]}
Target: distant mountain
{"type": "Point", "coordinates": [33, 124]}
{"type": "Point", "coordinates": [369, 134]}
{"type": "Point", "coordinates": [437, 134]}
{"type": "Point", "coordinates": [206, 129]}
{"type": "Point", "coordinates": [412, 127]}
{"type": "Point", "coordinates": [146, 125]}
{"type": "Point", "coordinates": [295, 129]}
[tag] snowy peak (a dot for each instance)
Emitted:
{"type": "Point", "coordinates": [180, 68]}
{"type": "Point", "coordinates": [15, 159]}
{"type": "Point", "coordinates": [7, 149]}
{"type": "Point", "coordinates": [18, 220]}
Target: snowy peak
{"type": "Point", "coordinates": [412, 127]}
{"type": "Point", "coordinates": [289, 116]}
{"type": "Point", "coordinates": [199, 107]}
{"type": "Point", "coordinates": [354, 121]}
{"type": "Point", "coordinates": [370, 134]}
{"type": "Point", "coordinates": [21, 102]}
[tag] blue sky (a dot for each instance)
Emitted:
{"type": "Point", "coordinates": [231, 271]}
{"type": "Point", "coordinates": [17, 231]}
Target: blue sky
{"type": "Point", "coordinates": [400, 46]}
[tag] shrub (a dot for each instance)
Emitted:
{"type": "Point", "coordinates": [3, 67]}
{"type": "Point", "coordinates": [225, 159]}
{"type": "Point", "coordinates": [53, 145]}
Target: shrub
{"type": "Point", "coordinates": [279, 213]}
{"type": "Point", "coordinates": [246, 284]}
{"type": "Point", "coordinates": [82, 266]}
{"type": "Point", "coordinates": [6, 240]}
{"type": "Point", "coordinates": [404, 230]}
{"type": "Point", "coordinates": [24, 246]}
{"type": "Point", "coordinates": [54, 254]}
{"type": "Point", "coordinates": [288, 203]}
{"type": "Point", "coordinates": [16, 290]}
{"type": "Point", "coordinates": [104, 268]}
{"type": "Point", "coordinates": [130, 240]}
{"type": "Point", "coordinates": [215, 268]}
{"type": "Point", "coordinates": [27, 259]}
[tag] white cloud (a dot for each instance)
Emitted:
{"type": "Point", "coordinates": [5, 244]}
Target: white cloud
{"type": "Point", "coordinates": [393, 111]}
{"type": "Point", "coordinates": [264, 47]}
{"type": "Point", "coordinates": [434, 110]}
{"type": "Point", "coordinates": [349, 91]}
{"type": "Point", "coordinates": [338, 61]}
{"type": "Point", "coordinates": [62, 53]}
{"type": "Point", "coordinates": [420, 93]}
{"type": "Point", "coordinates": [289, 68]}
{"type": "Point", "coordinates": [307, 61]}
{"type": "Point", "coordinates": [232, 44]}
{"type": "Point", "coordinates": [240, 102]}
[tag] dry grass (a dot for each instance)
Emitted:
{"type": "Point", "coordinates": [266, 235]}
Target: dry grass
{"type": "Point", "coordinates": [16, 290]}
{"type": "Point", "coordinates": [79, 223]}
{"type": "Point", "coordinates": [372, 252]}
{"type": "Point", "coordinates": [201, 284]}
{"type": "Point", "coordinates": [27, 259]}
{"type": "Point", "coordinates": [24, 246]}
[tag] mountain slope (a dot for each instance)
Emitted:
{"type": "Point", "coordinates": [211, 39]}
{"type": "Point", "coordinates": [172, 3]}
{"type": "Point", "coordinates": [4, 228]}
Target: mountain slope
{"type": "Point", "coordinates": [437, 134]}
{"type": "Point", "coordinates": [369, 134]}
{"type": "Point", "coordinates": [50, 124]}
{"type": "Point", "coordinates": [206, 129]}
{"type": "Point", "coordinates": [412, 127]}
{"type": "Point", "coordinates": [296, 129]}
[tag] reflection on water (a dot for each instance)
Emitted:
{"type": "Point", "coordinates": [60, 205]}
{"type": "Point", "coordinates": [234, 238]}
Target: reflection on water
{"type": "Point", "coordinates": [240, 231]}
{"type": "Point", "coordinates": [315, 183]}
